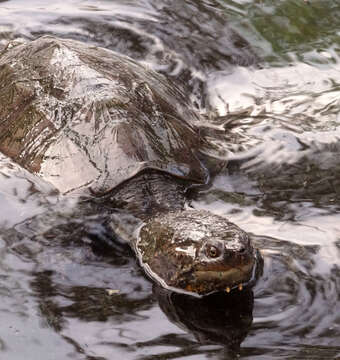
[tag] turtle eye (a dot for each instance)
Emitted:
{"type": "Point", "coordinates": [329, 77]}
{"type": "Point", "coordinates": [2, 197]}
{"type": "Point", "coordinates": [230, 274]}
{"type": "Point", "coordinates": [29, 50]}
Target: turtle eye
{"type": "Point", "coordinates": [213, 252]}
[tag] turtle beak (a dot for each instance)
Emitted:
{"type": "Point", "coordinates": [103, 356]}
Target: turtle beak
{"type": "Point", "coordinates": [234, 270]}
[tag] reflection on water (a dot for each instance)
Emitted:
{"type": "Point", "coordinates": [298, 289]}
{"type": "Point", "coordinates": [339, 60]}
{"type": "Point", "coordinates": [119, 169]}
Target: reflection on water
{"type": "Point", "coordinates": [220, 318]}
{"type": "Point", "coordinates": [278, 105]}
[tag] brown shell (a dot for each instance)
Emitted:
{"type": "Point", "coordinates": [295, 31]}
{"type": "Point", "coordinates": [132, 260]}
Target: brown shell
{"type": "Point", "coordinates": [85, 117]}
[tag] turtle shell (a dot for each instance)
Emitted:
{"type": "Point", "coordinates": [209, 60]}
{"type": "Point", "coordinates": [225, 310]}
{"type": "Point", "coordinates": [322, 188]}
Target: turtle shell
{"type": "Point", "coordinates": [84, 117]}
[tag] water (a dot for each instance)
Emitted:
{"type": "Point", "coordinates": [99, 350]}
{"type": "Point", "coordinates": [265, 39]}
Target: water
{"type": "Point", "coordinates": [273, 110]}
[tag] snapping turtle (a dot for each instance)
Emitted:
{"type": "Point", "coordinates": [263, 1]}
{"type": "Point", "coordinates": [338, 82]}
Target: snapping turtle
{"type": "Point", "coordinates": [91, 121]}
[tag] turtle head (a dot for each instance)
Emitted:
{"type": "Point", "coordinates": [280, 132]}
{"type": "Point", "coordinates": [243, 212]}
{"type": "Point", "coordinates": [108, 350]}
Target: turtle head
{"type": "Point", "coordinates": [197, 252]}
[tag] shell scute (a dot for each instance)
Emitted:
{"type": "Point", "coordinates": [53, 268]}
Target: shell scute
{"type": "Point", "coordinates": [84, 117]}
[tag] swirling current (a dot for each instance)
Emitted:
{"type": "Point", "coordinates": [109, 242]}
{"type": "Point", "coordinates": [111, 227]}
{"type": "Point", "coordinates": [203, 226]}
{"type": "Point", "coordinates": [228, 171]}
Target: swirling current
{"type": "Point", "coordinates": [265, 76]}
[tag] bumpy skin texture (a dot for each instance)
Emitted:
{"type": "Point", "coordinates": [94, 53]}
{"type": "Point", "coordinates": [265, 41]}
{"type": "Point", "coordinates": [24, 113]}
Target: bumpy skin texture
{"type": "Point", "coordinates": [89, 120]}
{"type": "Point", "coordinates": [214, 254]}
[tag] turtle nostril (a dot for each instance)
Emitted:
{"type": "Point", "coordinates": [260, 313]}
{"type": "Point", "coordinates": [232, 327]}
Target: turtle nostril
{"type": "Point", "coordinates": [242, 250]}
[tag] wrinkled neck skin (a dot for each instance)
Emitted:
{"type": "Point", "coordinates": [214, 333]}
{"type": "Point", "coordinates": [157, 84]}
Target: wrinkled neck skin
{"type": "Point", "coordinates": [151, 193]}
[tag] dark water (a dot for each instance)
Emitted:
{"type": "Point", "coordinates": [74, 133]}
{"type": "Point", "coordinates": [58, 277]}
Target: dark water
{"type": "Point", "coordinates": [273, 110]}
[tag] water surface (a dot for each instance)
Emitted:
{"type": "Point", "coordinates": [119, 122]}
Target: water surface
{"type": "Point", "coordinates": [266, 75]}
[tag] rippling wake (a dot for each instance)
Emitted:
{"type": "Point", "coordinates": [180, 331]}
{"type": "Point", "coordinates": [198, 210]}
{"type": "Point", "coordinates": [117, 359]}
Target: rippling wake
{"type": "Point", "coordinates": [271, 109]}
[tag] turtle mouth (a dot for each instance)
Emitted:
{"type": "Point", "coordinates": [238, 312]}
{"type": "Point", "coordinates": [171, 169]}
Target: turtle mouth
{"type": "Point", "coordinates": [208, 281]}
{"type": "Point", "coordinates": [218, 279]}
{"type": "Point", "coordinates": [225, 280]}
